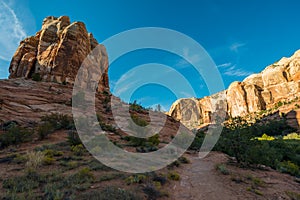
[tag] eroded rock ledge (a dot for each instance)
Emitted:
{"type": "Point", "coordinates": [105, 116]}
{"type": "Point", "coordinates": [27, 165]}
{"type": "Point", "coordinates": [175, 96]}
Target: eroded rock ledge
{"type": "Point", "coordinates": [279, 82]}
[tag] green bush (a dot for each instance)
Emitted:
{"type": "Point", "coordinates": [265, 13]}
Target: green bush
{"type": "Point", "coordinates": [59, 121]}
{"type": "Point", "coordinates": [15, 135]}
{"type": "Point", "coordinates": [152, 141]}
{"type": "Point", "coordinates": [138, 120]}
{"type": "Point", "coordinates": [136, 107]}
{"type": "Point", "coordinates": [43, 130]}
{"type": "Point", "coordinates": [78, 150]}
{"type": "Point", "coordinates": [198, 140]}
{"type": "Point", "coordinates": [289, 167]}
{"type": "Point", "coordinates": [48, 160]}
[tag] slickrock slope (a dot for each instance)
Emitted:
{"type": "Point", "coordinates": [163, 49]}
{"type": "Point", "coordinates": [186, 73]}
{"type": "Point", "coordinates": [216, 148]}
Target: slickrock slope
{"type": "Point", "coordinates": [279, 82]}
{"type": "Point", "coordinates": [56, 53]}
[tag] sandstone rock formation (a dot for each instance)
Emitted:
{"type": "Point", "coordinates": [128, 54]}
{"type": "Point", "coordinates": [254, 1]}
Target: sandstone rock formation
{"type": "Point", "coordinates": [56, 53]}
{"type": "Point", "coordinates": [278, 82]}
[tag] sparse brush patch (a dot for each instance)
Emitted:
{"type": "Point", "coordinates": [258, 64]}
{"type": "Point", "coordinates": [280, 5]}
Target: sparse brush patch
{"type": "Point", "coordinates": [20, 159]}
{"type": "Point", "coordinates": [255, 181]}
{"type": "Point", "coordinates": [222, 168]}
{"type": "Point", "coordinates": [96, 165]}
{"type": "Point", "coordinates": [26, 183]}
{"type": "Point", "coordinates": [236, 179]}
{"type": "Point", "coordinates": [140, 178]}
{"type": "Point", "coordinates": [52, 153]}
{"type": "Point", "coordinates": [139, 120]}
{"type": "Point", "coordinates": [160, 178]}
{"type": "Point", "coordinates": [44, 129]}
{"type": "Point", "coordinates": [59, 121]}
{"type": "Point", "coordinates": [47, 160]}
{"type": "Point", "coordinates": [110, 176]}
{"type": "Point", "coordinates": [78, 150]}
{"type": "Point", "coordinates": [136, 107]}
{"type": "Point", "coordinates": [110, 193]}
{"type": "Point", "coordinates": [289, 167]}
{"type": "Point", "coordinates": [176, 163]}
{"type": "Point", "coordinates": [173, 176]}
{"type": "Point", "coordinates": [293, 195]}
{"type": "Point", "coordinates": [183, 160]}
{"type": "Point", "coordinates": [151, 191]}
{"type": "Point", "coordinates": [35, 160]}
{"type": "Point", "coordinates": [256, 191]}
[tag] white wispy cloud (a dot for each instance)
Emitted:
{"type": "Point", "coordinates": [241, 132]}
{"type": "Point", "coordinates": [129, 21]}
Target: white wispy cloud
{"type": "Point", "coordinates": [224, 65]}
{"type": "Point", "coordinates": [230, 69]}
{"type": "Point", "coordinates": [11, 31]}
{"type": "Point", "coordinates": [235, 46]}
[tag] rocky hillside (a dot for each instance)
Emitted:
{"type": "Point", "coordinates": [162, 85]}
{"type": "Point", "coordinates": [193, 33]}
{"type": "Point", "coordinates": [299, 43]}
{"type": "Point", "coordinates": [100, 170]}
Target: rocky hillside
{"type": "Point", "coordinates": [43, 70]}
{"type": "Point", "coordinates": [276, 84]}
{"type": "Point", "coordinates": [56, 53]}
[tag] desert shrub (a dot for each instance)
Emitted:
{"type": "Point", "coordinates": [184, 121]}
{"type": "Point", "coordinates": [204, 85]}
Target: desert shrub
{"type": "Point", "coordinates": [183, 160]}
{"type": "Point", "coordinates": [293, 195]}
{"type": "Point", "coordinates": [139, 178]}
{"type": "Point", "coordinates": [176, 163]}
{"type": "Point", "coordinates": [136, 107]}
{"type": "Point", "coordinates": [147, 142]}
{"type": "Point", "coordinates": [83, 175]}
{"type": "Point", "coordinates": [154, 140]}
{"type": "Point", "coordinates": [151, 191]}
{"type": "Point", "coordinates": [96, 165]}
{"type": "Point", "coordinates": [73, 138]}
{"type": "Point", "coordinates": [222, 168]}
{"type": "Point", "coordinates": [272, 128]}
{"type": "Point", "coordinates": [47, 160]}
{"type": "Point", "coordinates": [36, 77]}
{"type": "Point", "coordinates": [264, 154]}
{"type": "Point", "coordinates": [59, 121]}
{"type": "Point", "coordinates": [35, 159]}
{"type": "Point", "coordinates": [292, 136]}
{"type": "Point", "coordinates": [173, 176]}
{"type": "Point", "coordinates": [110, 176]}
{"type": "Point", "coordinates": [52, 153]}
{"type": "Point", "coordinates": [289, 167]}
{"type": "Point", "coordinates": [161, 179]}
{"type": "Point", "coordinates": [15, 135]}
{"type": "Point", "coordinates": [24, 183]}
{"type": "Point", "coordinates": [138, 120]}
{"type": "Point", "coordinates": [43, 130]}
{"type": "Point", "coordinates": [78, 150]}
{"type": "Point", "coordinates": [18, 159]}
{"type": "Point", "coordinates": [198, 140]}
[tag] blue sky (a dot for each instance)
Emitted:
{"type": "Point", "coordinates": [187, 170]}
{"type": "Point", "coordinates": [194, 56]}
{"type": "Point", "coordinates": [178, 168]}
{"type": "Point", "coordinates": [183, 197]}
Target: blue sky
{"type": "Point", "coordinates": [242, 37]}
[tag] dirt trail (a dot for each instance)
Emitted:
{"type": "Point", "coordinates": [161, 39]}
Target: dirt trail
{"type": "Point", "coordinates": [201, 181]}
